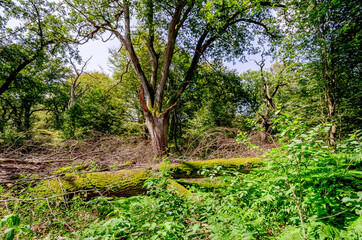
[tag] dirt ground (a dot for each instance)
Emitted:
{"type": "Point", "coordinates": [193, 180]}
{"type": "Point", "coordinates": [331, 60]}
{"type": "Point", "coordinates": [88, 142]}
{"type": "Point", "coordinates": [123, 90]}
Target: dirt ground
{"type": "Point", "coordinates": [102, 152]}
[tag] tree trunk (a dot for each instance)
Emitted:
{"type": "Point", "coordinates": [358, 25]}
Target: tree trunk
{"type": "Point", "coordinates": [332, 135]}
{"type": "Point", "coordinates": [72, 97]}
{"type": "Point", "coordinates": [331, 114]}
{"type": "Point", "coordinates": [264, 126]}
{"type": "Point", "coordinates": [27, 115]}
{"type": "Point", "coordinates": [158, 128]}
{"type": "Point", "coordinates": [130, 182]}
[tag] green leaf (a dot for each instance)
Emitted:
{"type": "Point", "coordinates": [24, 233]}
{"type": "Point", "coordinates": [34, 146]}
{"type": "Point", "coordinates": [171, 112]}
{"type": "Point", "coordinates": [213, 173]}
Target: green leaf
{"type": "Point", "coordinates": [9, 234]}
{"type": "Point", "coordinates": [168, 225]}
{"type": "Point", "coordinates": [13, 221]}
{"type": "Point", "coordinates": [3, 223]}
{"type": "Point", "coordinates": [359, 194]}
{"type": "Point", "coordinates": [195, 227]}
{"type": "Point", "coordinates": [26, 229]}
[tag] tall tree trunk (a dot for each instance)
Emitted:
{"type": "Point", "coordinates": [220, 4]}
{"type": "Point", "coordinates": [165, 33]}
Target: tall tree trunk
{"type": "Point", "coordinates": [331, 114]}
{"type": "Point", "coordinates": [264, 126]}
{"type": "Point", "coordinates": [330, 92]}
{"type": "Point", "coordinates": [332, 135]}
{"type": "Point", "coordinates": [27, 115]}
{"type": "Point", "coordinates": [158, 128]}
{"type": "Point", "coordinates": [174, 129]}
{"type": "Point", "coordinates": [72, 97]}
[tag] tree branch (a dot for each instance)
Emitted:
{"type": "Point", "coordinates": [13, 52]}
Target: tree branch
{"type": "Point", "coordinates": [150, 44]}
{"type": "Point", "coordinates": [172, 35]}
{"type": "Point", "coordinates": [120, 80]}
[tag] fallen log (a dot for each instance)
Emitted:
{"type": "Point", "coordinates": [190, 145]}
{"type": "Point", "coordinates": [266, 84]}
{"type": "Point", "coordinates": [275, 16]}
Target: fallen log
{"type": "Point", "coordinates": [202, 183]}
{"type": "Point", "coordinates": [179, 188]}
{"type": "Point", "coordinates": [125, 183]}
{"type": "Point", "coordinates": [190, 169]}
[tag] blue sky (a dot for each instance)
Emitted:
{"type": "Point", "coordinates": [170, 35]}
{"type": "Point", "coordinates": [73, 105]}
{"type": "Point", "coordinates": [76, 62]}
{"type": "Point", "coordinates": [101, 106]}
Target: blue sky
{"type": "Point", "coordinates": [100, 53]}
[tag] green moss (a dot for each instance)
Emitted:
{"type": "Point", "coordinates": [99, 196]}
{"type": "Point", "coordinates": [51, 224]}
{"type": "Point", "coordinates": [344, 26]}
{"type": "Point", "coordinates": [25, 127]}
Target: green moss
{"type": "Point", "coordinates": [126, 164]}
{"type": "Point", "coordinates": [120, 183]}
{"type": "Point", "coordinates": [207, 184]}
{"type": "Point", "coordinates": [180, 190]}
{"type": "Point", "coordinates": [67, 169]}
{"type": "Point", "coordinates": [130, 182]}
{"type": "Point", "coordinates": [190, 168]}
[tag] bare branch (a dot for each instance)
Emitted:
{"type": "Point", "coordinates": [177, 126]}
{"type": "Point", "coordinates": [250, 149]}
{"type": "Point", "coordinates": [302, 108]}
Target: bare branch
{"type": "Point", "coordinates": [74, 83]}
{"type": "Point", "coordinates": [119, 82]}
{"type": "Point", "coordinates": [164, 113]}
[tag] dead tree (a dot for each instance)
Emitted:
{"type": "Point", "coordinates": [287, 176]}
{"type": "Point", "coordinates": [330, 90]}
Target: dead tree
{"type": "Point", "coordinates": [267, 118]}
{"type": "Point", "coordinates": [74, 83]}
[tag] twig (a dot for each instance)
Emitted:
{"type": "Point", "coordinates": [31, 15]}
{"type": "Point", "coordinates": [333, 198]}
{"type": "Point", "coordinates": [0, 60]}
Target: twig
{"type": "Point", "coordinates": [333, 214]}
{"type": "Point", "coordinates": [44, 198]}
{"type": "Point", "coordinates": [51, 211]}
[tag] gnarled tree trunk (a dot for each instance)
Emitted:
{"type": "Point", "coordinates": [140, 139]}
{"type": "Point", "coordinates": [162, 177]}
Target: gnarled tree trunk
{"type": "Point", "coordinates": [267, 120]}
{"type": "Point", "coordinates": [158, 128]}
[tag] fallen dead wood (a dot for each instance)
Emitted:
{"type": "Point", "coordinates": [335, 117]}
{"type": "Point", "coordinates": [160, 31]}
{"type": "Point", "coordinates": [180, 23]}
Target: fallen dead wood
{"type": "Point", "coordinates": [190, 169]}
{"type": "Point", "coordinates": [130, 182]}
{"type": "Point", "coordinates": [202, 183]}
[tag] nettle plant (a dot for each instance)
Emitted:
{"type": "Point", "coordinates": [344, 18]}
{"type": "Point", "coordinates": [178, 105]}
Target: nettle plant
{"type": "Point", "coordinates": [243, 139]}
{"type": "Point", "coordinates": [12, 225]}
{"type": "Point", "coordinates": [321, 181]}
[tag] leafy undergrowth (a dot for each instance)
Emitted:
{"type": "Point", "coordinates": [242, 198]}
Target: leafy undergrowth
{"type": "Point", "coordinates": [305, 191]}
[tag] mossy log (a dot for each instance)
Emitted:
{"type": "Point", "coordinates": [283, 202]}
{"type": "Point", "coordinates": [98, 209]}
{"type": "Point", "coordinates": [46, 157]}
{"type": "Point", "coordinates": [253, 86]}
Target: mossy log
{"type": "Point", "coordinates": [179, 188]}
{"type": "Point", "coordinates": [125, 183]}
{"type": "Point", "coordinates": [190, 169]}
{"type": "Point", "coordinates": [201, 183]}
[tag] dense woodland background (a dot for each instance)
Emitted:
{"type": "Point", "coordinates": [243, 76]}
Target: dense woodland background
{"type": "Point", "coordinates": [171, 98]}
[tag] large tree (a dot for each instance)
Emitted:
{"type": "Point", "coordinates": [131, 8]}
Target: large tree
{"type": "Point", "coordinates": [327, 35]}
{"type": "Point", "coordinates": [36, 89]}
{"type": "Point", "coordinates": [211, 28]}
{"type": "Point", "coordinates": [29, 31]}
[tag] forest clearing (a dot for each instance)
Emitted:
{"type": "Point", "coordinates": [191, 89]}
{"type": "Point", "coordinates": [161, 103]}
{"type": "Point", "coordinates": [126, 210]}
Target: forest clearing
{"type": "Point", "coordinates": [204, 119]}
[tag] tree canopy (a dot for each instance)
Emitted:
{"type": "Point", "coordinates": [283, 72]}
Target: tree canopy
{"type": "Point", "coordinates": [168, 74]}
{"type": "Point", "coordinates": [173, 142]}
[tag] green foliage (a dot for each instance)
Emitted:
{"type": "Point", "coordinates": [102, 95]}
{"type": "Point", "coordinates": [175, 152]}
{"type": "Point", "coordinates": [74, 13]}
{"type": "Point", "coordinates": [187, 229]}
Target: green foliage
{"type": "Point", "coordinates": [13, 226]}
{"type": "Point", "coordinates": [303, 179]}
{"type": "Point", "coordinates": [131, 216]}
{"type": "Point", "coordinates": [28, 39]}
{"type": "Point", "coordinates": [317, 179]}
{"type": "Point", "coordinates": [37, 91]}
{"type": "Point", "coordinates": [326, 36]}
{"type": "Point", "coordinates": [38, 218]}
{"type": "Point", "coordinates": [215, 99]}
{"type": "Point", "coordinates": [100, 107]}
{"type": "Point", "coordinates": [307, 189]}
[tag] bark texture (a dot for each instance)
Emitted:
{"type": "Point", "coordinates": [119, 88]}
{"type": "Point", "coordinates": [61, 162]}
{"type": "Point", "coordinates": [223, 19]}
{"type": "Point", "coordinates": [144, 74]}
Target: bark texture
{"type": "Point", "coordinates": [125, 183]}
{"type": "Point", "coordinates": [158, 129]}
